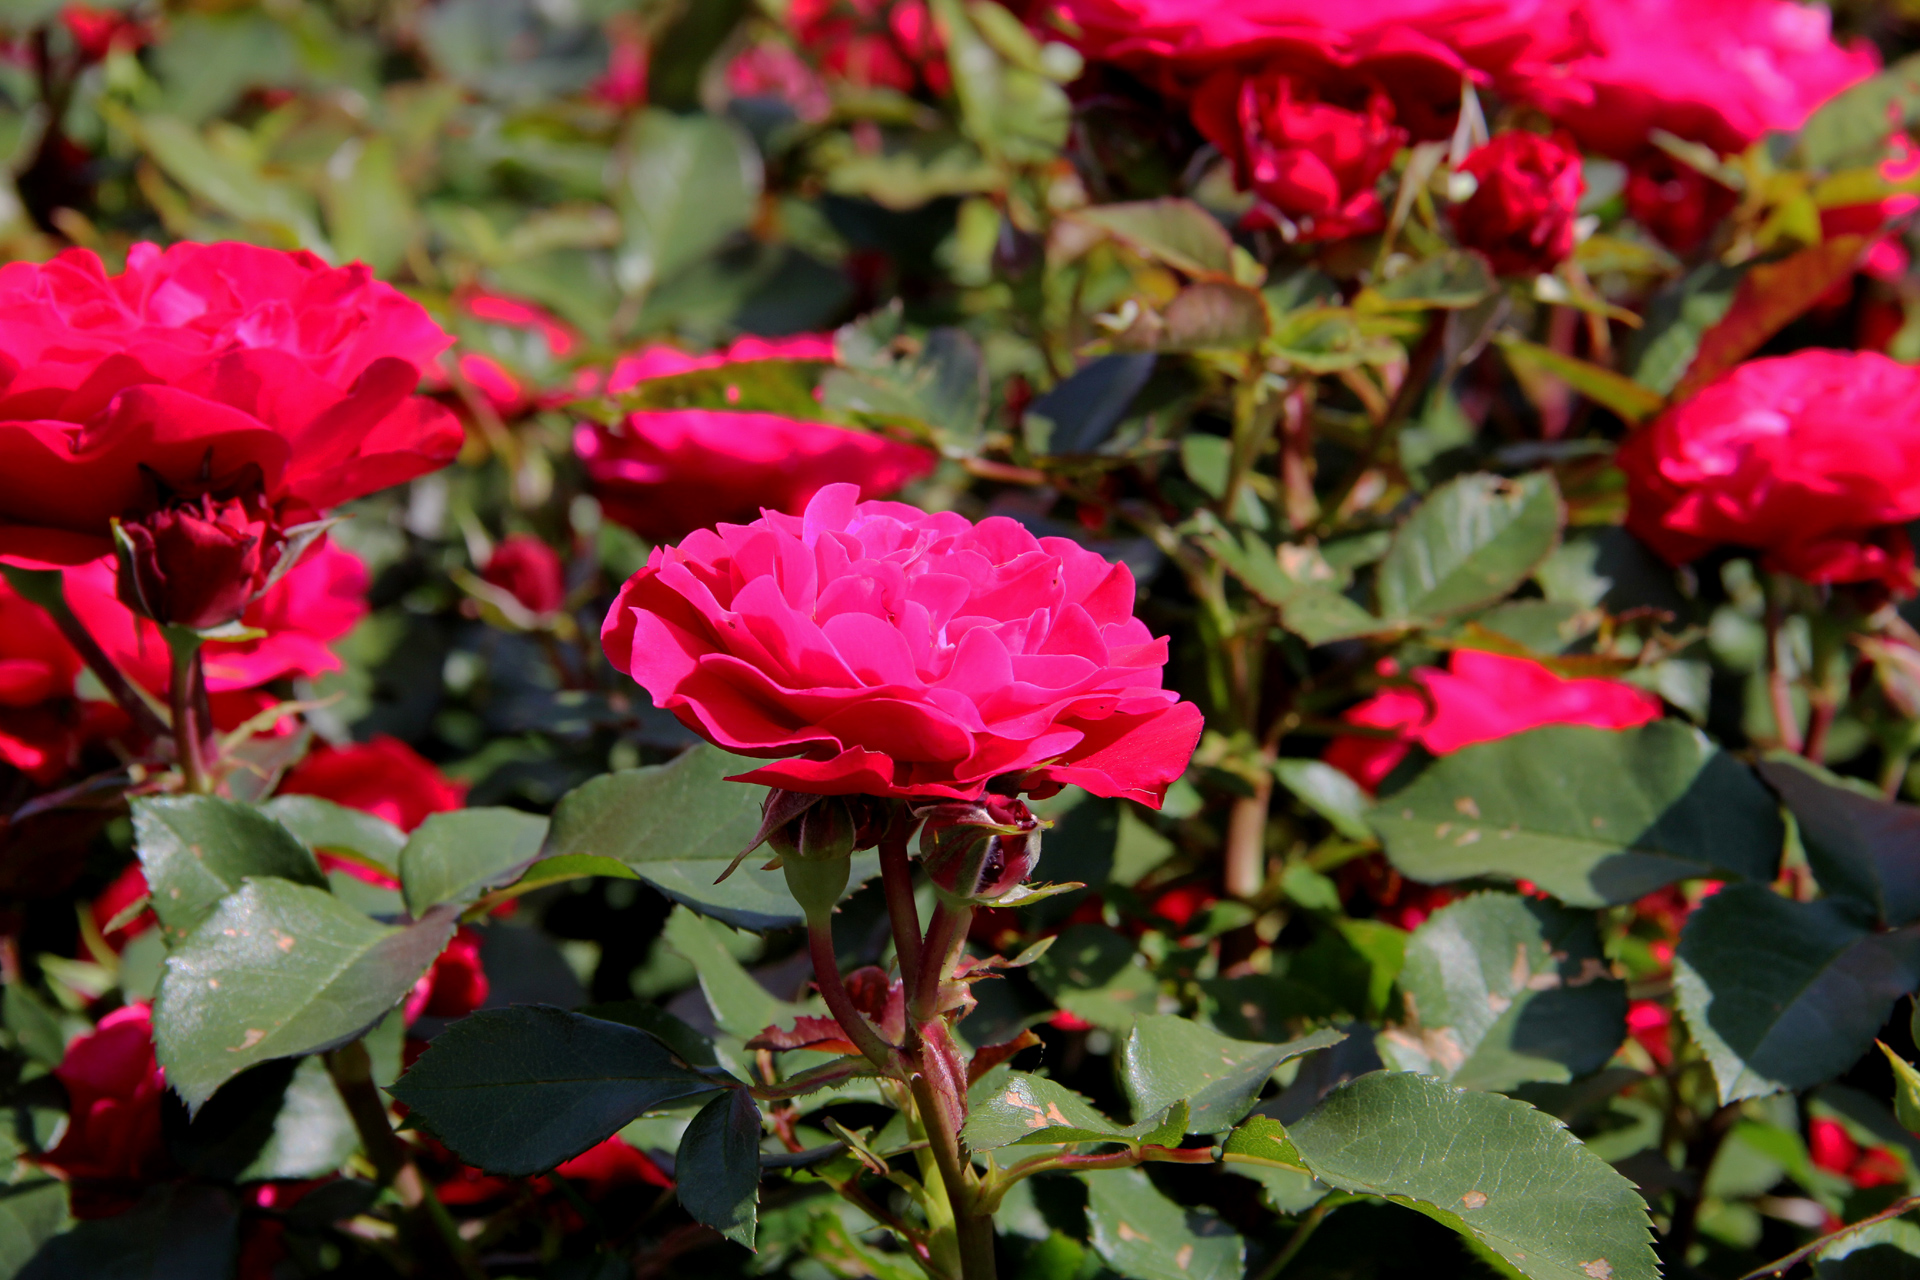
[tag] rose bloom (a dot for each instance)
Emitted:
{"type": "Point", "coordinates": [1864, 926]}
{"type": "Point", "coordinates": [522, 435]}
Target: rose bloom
{"type": "Point", "coordinates": [1313, 166]}
{"type": "Point", "coordinates": [872, 648]}
{"type": "Point", "coordinates": [455, 986]}
{"type": "Point", "coordinates": [112, 1147]}
{"type": "Point", "coordinates": [664, 473]}
{"type": "Point", "coordinates": [530, 571]}
{"type": "Point", "coordinates": [1721, 72]}
{"type": "Point", "coordinates": [875, 44]}
{"type": "Point", "coordinates": [384, 777]}
{"type": "Point", "coordinates": [1812, 459]}
{"type": "Point", "coordinates": [1677, 203]}
{"type": "Point", "coordinates": [1485, 696]}
{"type": "Point", "coordinates": [43, 725]}
{"type": "Point", "coordinates": [1521, 213]}
{"type": "Point", "coordinates": [314, 604]}
{"type": "Point", "coordinates": [206, 365]}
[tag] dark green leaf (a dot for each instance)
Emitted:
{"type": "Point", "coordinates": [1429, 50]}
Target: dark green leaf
{"type": "Point", "coordinates": [520, 1090]}
{"type": "Point", "coordinates": [1299, 582]}
{"type": "Point", "coordinates": [938, 391]}
{"type": "Point", "coordinates": [657, 1022]}
{"type": "Point", "coordinates": [1166, 1059]}
{"type": "Point", "coordinates": [717, 1168]}
{"type": "Point", "coordinates": [1145, 1236]}
{"type": "Point", "coordinates": [322, 824]}
{"type": "Point", "coordinates": [1490, 1167]}
{"type": "Point", "coordinates": [34, 1029]}
{"type": "Point", "coordinates": [279, 969]}
{"type": "Point", "coordinates": [679, 825]}
{"type": "Point", "coordinates": [178, 1231]}
{"type": "Point", "coordinates": [1090, 972]}
{"type": "Point", "coordinates": [1879, 1251]}
{"type": "Point", "coordinates": [1501, 991]}
{"type": "Point", "coordinates": [1593, 816]}
{"type": "Point", "coordinates": [1783, 994]}
{"type": "Point", "coordinates": [1016, 1108]}
{"type": "Point", "coordinates": [1179, 233]}
{"type": "Point", "coordinates": [681, 52]}
{"type": "Point", "coordinates": [1081, 412]}
{"type": "Point", "coordinates": [455, 857]}
{"type": "Point", "coordinates": [740, 1005]}
{"type": "Point", "coordinates": [195, 850]}
{"type": "Point", "coordinates": [1861, 848]}
{"type": "Point", "coordinates": [312, 1134]}
{"type": "Point", "coordinates": [32, 1212]}
{"type": "Point", "coordinates": [1678, 315]}
{"type": "Point", "coordinates": [1471, 542]}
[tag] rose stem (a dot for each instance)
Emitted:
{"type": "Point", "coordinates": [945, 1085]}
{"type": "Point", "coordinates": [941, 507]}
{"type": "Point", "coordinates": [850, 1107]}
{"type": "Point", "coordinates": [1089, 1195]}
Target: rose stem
{"type": "Point", "coordinates": [1246, 869]}
{"type": "Point", "coordinates": [1779, 693]}
{"type": "Point", "coordinates": [945, 935]}
{"type": "Point", "coordinates": [973, 1229]}
{"type": "Point", "coordinates": [826, 975]}
{"type": "Point", "coordinates": [183, 693]}
{"type": "Point", "coordinates": [43, 587]}
{"type": "Point", "coordinates": [896, 877]}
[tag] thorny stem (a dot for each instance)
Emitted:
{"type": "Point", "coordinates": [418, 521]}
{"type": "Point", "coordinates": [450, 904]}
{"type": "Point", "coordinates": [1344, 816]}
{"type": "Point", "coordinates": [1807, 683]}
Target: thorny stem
{"type": "Point", "coordinates": [945, 935]}
{"type": "Point", "coordinates": [43, 587]}
{"type": "Point", "coordinates": [896, 879]}
{"type": "Point", "coordinates": [826, 975]}
{"type": "Point", "coordinates": [972, 1224]}
{"type": "Point", "coordinates": [1780, 1266]}
{"type": "Point", "coordinates": [184, 693]}
{"type": "Point", "coordinates": [1419, 366]}
{"type": "Point", "coordinates": [1084, 1163]}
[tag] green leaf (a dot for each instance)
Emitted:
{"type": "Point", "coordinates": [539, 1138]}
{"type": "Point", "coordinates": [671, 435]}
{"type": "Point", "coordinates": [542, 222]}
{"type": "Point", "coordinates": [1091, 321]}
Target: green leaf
{"type": "Point", "coordinates": [1214, 315]}
{"type": "Point", "coordinates": [784, 387]}
{"type": "Point", "coordinates": [1298, 581]}
{"type": "Point", "coordinates": [520, 1090]}
{"type": "Point", "coordinates": [1878, 1251]}
{"type": "Point", "coordinates": [679, 825]}
{"type": "Point", "coordinates": [1470, 543]}
{"type": "Point", "coordinates": [1501, 991]}
{"type": "Point", "coordinates": [1452, 280]}
{"type": "Point", "coordinates": [32, 1212]}
{"type": "Point", "coordinates": [455, 857]}
{"type": "Point", "coordinates": [1492, 1168]}
{"type": "Point", "coordinates": [1329, 793]}
{"type": "Point", "coordinates": [1861, 848]}
{"type": "Point", "coordinates": [1676, 318]}
{"type": "Point", "coordinates": [1769, 297]}
{"type": "Point", "coordinates": [33, 1028]}
{"type": "Point", "coordinates": [1906, 1091]}
{"type": "Point", "coordinates": [195, 850]}
{"type": "Point", "coordinates": [322, 824]}
{"type": "Point", "coordinates": [279, 969]}
{"type": "Point", "coordinates": [1016, 1108]}
{"type": "Point", "coordinates": [1783, 994]}
{"type": "Point", "coordinates": [1090, 972]}
{"type": "Point", "coordinates": [178, 1231]}
{"type": "Point", "coordinates": [1167, 1059]}
{"type": "Point", "coordinates": [370, 211]}
{"type": "Point", "coordinates": [1145, 1236]}
{"type": "Point", "coordinates": [937, 390]}
{"type": "Point", "coordinates": [1261, 1140]}
{"type": "Point", "coordinates": [1178, 233]}
{"type": "Point", "coordinates": [1593, 816]}
{"type": "Point", "coordinates": [572, 866]}
{"type": "Point", "coordinates": [312, 1135]}
{"type": "Point", "coordinates": [1016, 114]}
{"type": "Point", "coordinates": [1633, 402]}
{"type": "Point", "coordinates": [741, 1006]}
{"type": "Point", "coordinates": [231, 180]}
{"type": "Point", "coordinates": [687, 185]}
{"type": "Point", "coordinates": [1851, 127]}
{"type": "Point", "coordinates": [717, 1168]}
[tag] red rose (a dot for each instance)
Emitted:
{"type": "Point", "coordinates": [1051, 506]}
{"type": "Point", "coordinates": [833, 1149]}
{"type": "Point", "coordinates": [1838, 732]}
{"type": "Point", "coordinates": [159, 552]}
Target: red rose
{"type": "Point", "coordinates": [455, 986]}
{"type": "Point", "coordinates": [891, 652]}
{"type": "Point", "coordinates": [885, 44]}
{"type": "Point", "coordinates": [665, 473]}
{"type": "Point", "coordinates": [42, 725]}
{"type": "Point", "coordinates": [198, 560]}
{"type": "Point", "coordinates": [384, 777]}
{"type": "Point", "coordinates": [127, 888]}
{"type": "Point", "coordinates": [1721, 72]}
{"type": "Point", "coordinates": [1812, 459]}
{"type": "Point", "coordinates": [613, 1163]}
{"type": "Point", "coordinates": [112, 1147]}
{"type": "Point", "coordinates": [195, 363]}
{"type": "Point", "coordinates": [99, 31]}
{"type": "Point", "coordinates": [1484, 697]}
{"type": "Point", "coordinates": [1521, 212]}
{"type": "Point", "coordinates": [315, 603]}
{"type": "Point", "coordinates": [530, 571]}
{"type": "Point", "coordinates": [1313, 166]}
{"type": "Point", "coordinates": [1676, 202]}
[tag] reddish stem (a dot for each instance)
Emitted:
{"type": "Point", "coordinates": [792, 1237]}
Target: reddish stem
{"type": "Point", "coordinates": [826, 975]}
{"type": "Point", "coordinates": [896, 878]}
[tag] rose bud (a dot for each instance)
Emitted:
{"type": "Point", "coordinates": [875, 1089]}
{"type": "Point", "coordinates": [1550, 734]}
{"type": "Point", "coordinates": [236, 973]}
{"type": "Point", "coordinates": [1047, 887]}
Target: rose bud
{"type": "Point", "coordinates": [198, 560]}
{"type": "Point", "coordinates": [530, 571]}
{"type": "Point", "coordinates": [816, 851]}
{"type": "Point", "coordinates": [1521, 213]}
{"type": "Point", "coordinates": [977, 853]}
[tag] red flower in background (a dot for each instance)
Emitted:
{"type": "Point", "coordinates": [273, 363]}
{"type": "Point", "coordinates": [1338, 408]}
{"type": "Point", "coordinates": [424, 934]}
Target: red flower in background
{"type": "Point", "coordinates": [1312, 165]}
{"type": "Point", "coordinates": [99, 32]}
{"type": "Point", "coordinates": [1483, 697]}
{"type": "Point", "coordinates": [891, 652]}
{"type": "Point", "coordinates": [530, 571]}
{"type": "Point", "coordinates": [1832, 1148]}
{"type": "Point", "coordinates": [457, 983]}
{"type": "Point", "coordinates": [127, 888]}
{"type": "Point", "coordinates": [1677, 203]}
{"type": "Point", "coordinates": [42, 725]}
{"type": "Point", "coordinates": [198, 363]}
{"type": "Point", "coordinates": [527, 334]}
{"type": "Point", "coordinates": [112, 1148]}
{"type": "Point", "coordinates": [384, 777]}
{"type": "Point", "coordinates": [882, 44]}
{"type": "Point", "coordinates": [664, 473]}
{"type": "Point", "coordinates": [1522, 210]}
{"type": "Point", "coordinates": [317, 602]}
{"type": "Point", "coordinates": [1812, 459]}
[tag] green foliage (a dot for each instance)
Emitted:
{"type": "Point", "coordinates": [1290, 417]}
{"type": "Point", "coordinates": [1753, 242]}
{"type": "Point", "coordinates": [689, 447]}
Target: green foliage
{"type": "Point", "coordinates": [1469, 544]}
{"type": "Point", "coordinates": [1145, 1236]}
{"type": "Point", "coordinates": [195, 850]}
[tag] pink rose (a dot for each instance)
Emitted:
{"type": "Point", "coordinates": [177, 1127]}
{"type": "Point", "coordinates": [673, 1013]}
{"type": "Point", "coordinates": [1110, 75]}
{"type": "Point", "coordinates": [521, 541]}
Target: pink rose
{"type": "Point", "coordinates": [664, 473]}
{"type": "Point", "coordinates": [197, 363]}
{"type": "Point", "coordinates": [112, 1148]}
{"type": "Point", "coordinates": [1813, 459]}
{"type": "Point", "coordinates": [1721, 72]}
{"type": "Point", "coordinates": [384, 777]}
{"type": "Point", "coordinates": [1313, 166]}
{"type": "Point", "coordinates": [871, 648]}
{"type": "Point", "coordinates": [1484, 697]}
{"type": "Point", "coordinates": [1521, 213]}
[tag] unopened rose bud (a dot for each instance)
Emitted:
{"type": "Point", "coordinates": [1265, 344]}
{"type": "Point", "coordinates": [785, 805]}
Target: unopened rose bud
{"type": "Point", "coordinates": [816, 852]}
{"type": "Point", "coordinates": [530, 571]}
{"type": "Point", "coordinates": [978, 852]}
{"type": "Point", "coordinates": [197, 561]}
